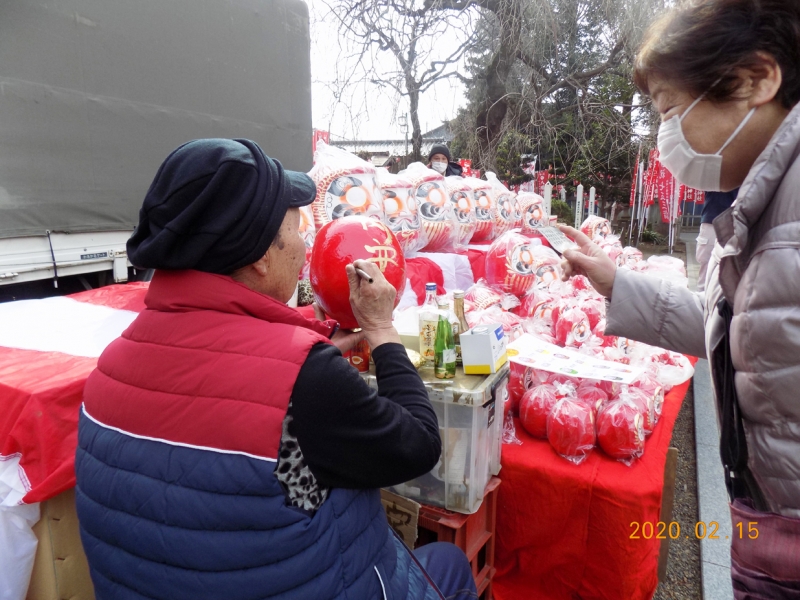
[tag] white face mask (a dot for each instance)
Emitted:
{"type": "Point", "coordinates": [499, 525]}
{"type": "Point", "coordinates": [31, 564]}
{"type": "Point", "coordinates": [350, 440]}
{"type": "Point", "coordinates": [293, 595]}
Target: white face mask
{"type": "Point", "coordinates": [439, 167]}
{"type": "Point", "coordinates": [699, 171]}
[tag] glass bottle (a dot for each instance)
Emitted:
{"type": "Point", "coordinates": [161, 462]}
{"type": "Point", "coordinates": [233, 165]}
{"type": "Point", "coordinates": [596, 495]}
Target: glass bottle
{"type": "Point", "coordinates": [444, 347]}
{"type": "Point", "coordinates": [458, 309]}
{"type": "Point", "coordinates": [428, 320]}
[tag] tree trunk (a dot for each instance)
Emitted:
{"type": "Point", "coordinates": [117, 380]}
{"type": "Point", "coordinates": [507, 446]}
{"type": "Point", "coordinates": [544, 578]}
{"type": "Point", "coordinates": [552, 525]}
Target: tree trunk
{"type": "Point", "coordinates": [490, 117]}
{"type": "Point", "coordinates": [416, 131]}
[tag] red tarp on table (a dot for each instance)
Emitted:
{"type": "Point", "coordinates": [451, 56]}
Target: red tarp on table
{"type": "Point", "coordinates": [563, 531]}
{"type": "Point", "coordinates": [41, 393]}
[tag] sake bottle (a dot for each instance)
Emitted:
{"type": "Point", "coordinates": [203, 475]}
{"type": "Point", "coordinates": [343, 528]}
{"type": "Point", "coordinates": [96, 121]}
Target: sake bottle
{"type": "Point", "coordinates": [428, 321]}
{"type": "Point", "coordinates": [444, 348]}
{"type": "Point", "coordinates": [458, 309]}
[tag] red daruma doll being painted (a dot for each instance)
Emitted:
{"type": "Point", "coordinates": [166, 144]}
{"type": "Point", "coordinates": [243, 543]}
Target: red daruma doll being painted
{"type": "Point", "coordinates": [338, 244]}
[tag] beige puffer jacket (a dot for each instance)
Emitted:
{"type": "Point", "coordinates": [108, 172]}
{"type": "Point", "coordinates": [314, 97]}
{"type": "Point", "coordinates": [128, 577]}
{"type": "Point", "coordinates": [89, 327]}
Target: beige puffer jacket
{"type": "Point", "coordinates": [756, 267]}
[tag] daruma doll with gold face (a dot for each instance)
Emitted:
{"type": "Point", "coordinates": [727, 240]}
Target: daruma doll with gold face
{"type": "Point", "coordinates": [400, 210]}
{"type": "Point", "coordinates": [337, 245]}
{"type": "Point", "coordinates": [346, 185]}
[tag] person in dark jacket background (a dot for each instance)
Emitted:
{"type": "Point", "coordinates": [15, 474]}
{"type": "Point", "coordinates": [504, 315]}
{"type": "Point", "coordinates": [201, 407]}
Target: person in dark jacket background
{"type": "Point", "coordinates": [715, 204]}
{"type": "Point", "coordinates": [226, 449]}
{"type": "Point", "coordinates": [439, 160]}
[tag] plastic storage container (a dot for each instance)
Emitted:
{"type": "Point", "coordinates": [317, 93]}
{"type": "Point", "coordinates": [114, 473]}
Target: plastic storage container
{"type": "Point", "coordinates": [470, 413]}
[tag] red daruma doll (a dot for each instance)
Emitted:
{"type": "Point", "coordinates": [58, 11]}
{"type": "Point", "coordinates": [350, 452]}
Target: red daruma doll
{"type": "Point", "coordinates": [510, 264]}
{"type": "Point", "coordinates": [535, 407]}
{"type": "Point", "coordinates": [337, 245]}
{"type": "Point", "coordinates": [570, 430]}
{"type": "Point", "coordinates": [620, 430]}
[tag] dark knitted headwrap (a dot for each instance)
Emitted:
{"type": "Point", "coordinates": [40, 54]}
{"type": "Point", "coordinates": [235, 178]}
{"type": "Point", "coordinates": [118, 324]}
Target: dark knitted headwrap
{"type": "Point", "coordinates": [439, 149]}
{"type": "Point", "coordinates": [215, 205]}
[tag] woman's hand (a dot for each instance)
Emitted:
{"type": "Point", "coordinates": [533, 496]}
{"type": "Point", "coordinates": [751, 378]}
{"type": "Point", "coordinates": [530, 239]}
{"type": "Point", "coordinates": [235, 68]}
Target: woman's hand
{"type": "Point", "coordinates": [590, 260]}
{"type": "Point", "coordinates": [344, 339]}
{"type": "Point", "coordinates": [372, 303]}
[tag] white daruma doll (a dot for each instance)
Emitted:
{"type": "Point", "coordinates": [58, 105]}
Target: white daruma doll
{"type": "Point", "coordinates": [437, 220]}
{"type": "Point", "coordinates": [462, 199]}
{"type": "Point", "coordinates": [484, 210]}
{"type": "Point", "coordinates": [400, 210]}
{"type": "Point", "coordinates": [346, 185]}
{"type": "Point", "coordinates": [507, 214]}
{"type": "Point", "coordinates": [533, 214]}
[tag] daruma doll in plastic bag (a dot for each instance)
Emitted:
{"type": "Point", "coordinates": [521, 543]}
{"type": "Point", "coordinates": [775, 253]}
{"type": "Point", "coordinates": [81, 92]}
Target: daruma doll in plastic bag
{"type": "Point", "coordinates": [337, 245]}
{"type": "Point", "coordinates": [547, 265]}
{"type": "Point", "coordinates": [462, 198]}
{"type": "Point", "coordinates": [535, 407]}
{"type": "Point", "coordinates": [572, 328]}
{"type": "Point", "coordinates": [435, 210]}
{"type": "Point", "coordinates": [484, 210]}
{"type": "Point", "coordinates": [620, 430]}
{"type": "Point", "coordinates": [307, 232]}
{"type": "Point", "coordinates": [532, 208]}
{"type": "Point", "coordinates": [596, 228]}
{"type": "Point", "coordinates": [346, 185]}
{"type": "Point", "coordinates": [400, 210]}
{"type": "Point", "coordinates": [510, 264]}
{"type": "Point", "coordinates": [570, 429]}
{"type": "Point", "coordinates": [507, 214]}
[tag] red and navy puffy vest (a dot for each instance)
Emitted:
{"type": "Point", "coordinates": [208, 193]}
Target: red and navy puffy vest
{"type": "Point", "coordinates": [177, 445]}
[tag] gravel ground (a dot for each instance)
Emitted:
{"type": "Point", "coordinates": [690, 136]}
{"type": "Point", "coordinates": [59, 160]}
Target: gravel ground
{"type": "Point", "coordinates": [683, 573]}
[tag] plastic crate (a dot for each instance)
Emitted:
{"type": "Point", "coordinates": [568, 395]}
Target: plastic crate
{"type": "Point", "coordinates": [474, 534]}
{"type": "Point", "coordinates": [469, 409]}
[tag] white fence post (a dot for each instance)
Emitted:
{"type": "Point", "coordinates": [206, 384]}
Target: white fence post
{"type": "Point", "coordinates": [579, 207]}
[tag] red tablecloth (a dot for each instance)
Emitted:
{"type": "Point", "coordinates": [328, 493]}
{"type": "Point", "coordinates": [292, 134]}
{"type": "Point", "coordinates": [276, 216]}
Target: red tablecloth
{"type": "Point", "coordinates": [563, 531]}
{"type": "Point", "coordinates": [40, 396]}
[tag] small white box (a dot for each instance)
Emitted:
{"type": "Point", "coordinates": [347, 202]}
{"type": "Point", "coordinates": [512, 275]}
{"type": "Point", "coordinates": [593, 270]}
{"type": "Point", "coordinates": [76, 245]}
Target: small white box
{"type": "Point", "coordinates": [483, 349]}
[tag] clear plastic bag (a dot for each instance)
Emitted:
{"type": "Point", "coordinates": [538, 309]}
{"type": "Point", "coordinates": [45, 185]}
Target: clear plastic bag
{"type": "Point", "coordinates": [308, 232]}
{"type": "Point", "coordinates": [533, 214]}
{"type": "Point", "coordinates": [510, 264]}
{"type": "Point", "coordinates": [507, 214]}
{"type": "Point", "coordinates": [463, 200]}
{"type": "Point", "coordinates": [596, 228]}
{"type": "Point", "coordinates": [620, 430]}
{"type": "Point", "coordinates": [481, 296]}
{"type": "Point", "coordinates": [346, 185]}
{"type": "Point", "coordinates": [484, 210]}
{"type": "Point", "coordinates": [534, 408]}
{"type": "Point", "coordinates": [630, 257]}
{"type": "Point", "coordinates": [572, 328]}
{"type": "Point", "coordinates": [510, 431]}
{"type": "Point", "coordinates": [644, 402]}
{"type": "Point", "coordinates": [437, 217]}
{"type": "Point", "coordinates": [400, 210]}
{"type": "Point", "coordinates": [571, 430]}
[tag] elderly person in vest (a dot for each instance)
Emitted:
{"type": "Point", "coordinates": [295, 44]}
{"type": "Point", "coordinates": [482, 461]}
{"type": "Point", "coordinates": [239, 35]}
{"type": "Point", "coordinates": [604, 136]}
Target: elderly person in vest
{"type": "Point", "coordinates": [725, 77]}
{"type": "Point", "coordinates": [226, 449]}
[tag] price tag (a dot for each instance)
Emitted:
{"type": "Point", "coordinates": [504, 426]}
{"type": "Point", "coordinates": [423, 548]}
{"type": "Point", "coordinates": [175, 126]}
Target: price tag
{"type": "Point", "coordinates": [557, 240]}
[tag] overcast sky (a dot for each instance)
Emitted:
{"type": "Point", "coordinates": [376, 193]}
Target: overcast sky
{"type": "Point", "coordinates": [367, 111]}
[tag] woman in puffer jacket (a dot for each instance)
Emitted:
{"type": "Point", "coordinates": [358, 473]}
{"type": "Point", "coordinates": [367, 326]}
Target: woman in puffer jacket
{"type": "Point", "coordinates": [725, 78]}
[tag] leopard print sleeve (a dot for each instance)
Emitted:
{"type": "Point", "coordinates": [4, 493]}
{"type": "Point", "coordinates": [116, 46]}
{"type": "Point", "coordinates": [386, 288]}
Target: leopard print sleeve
{"type": "Point", "coordinates": [301, 487]}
